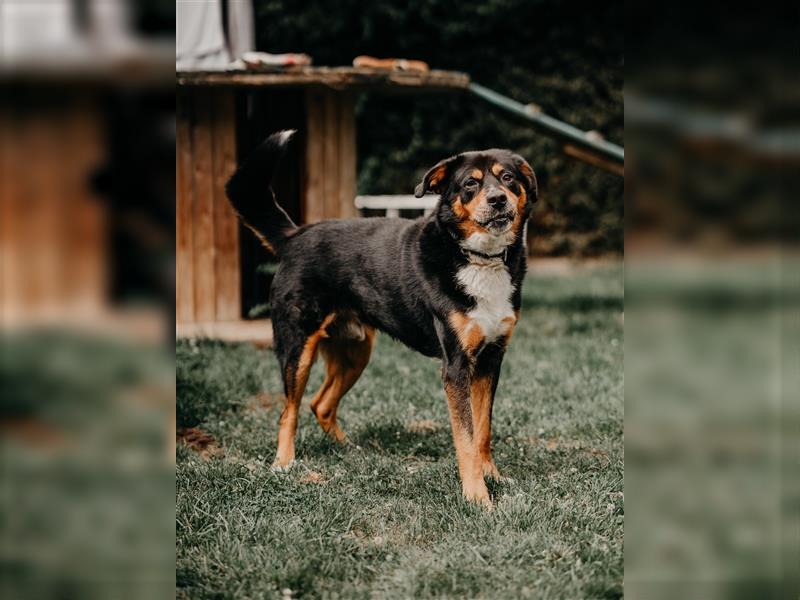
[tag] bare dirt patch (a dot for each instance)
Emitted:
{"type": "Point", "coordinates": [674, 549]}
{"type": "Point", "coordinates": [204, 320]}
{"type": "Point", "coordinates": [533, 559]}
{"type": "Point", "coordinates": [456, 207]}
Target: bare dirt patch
{"type": "Point", "coordinates": [423, 426]}
{"type": "Point", "coordinates": [198, 440]}
{"type": "Point", "coordinates": [265, 400]}
{"type": "Point", "coordinates": [313, 477]}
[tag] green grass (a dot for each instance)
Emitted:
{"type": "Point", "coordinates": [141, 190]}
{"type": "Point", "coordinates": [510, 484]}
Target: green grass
{"type": "Point", "coordinates": [382, 516]}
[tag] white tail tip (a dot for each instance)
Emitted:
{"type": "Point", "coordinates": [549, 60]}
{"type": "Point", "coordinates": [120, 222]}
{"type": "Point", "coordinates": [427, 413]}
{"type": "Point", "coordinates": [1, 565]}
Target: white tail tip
{"type": "Point", "coordinates": [285, 135]}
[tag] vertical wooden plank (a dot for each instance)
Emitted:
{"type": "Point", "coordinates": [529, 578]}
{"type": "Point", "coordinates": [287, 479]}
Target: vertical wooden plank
{"type": "Point", "coordinates": [86, 256]}
{"type": "Point", "coordinates": [226, 226]}
{"type": "Point", "coordinates": [19, 300]}
{"type": "Point", "coordinates": [60, 156]}
{"type": "Point", "coordinates": [203, 209]}
{"type": "Point", "coordinates": [331, 151]}
{"type": "Point", "coordinates": [347, 156]}
{"type": "Point", "coordinates": [314, 200]}
{"type": "Point", "coordinates": [40, 221]}
{"type": "Point", "coordinates": [184, 262]}
{"type": "Point", "coordinates": [10, 263]}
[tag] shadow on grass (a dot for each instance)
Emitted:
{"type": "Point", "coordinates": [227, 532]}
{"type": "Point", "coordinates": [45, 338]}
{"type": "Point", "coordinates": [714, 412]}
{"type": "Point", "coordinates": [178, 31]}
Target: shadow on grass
{"type": "Point", "coordinates": [318, 444]}
{"type": "Point", "coordinates": [395, 438]}
{"type": "Point", "coordinates": [579, 303]}
{"type": "Point", "coordinates": [498, 488]}
{"type": "Point", "coordinates": [196, 400]}
{"type": "Point", "coordinates": [186, 578]}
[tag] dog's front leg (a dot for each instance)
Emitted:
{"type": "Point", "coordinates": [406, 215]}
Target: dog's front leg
{"type": "Point", "coordinates": [482, 390]}
{"type": "Point", "coordinates": [457, 375]}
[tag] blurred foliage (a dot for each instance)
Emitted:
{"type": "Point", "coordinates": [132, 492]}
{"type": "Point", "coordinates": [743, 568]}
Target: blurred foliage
{"type": "Point", "coordinates": [567, 58]}
{"type": "Point", "coordinates": [88, 482]}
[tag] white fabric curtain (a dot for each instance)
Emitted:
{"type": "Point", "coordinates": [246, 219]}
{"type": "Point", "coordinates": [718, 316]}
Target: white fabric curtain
{"type": "Point", "coordinates": [200, 43]}
{"type": "Point", "coordinates": [241, 27]}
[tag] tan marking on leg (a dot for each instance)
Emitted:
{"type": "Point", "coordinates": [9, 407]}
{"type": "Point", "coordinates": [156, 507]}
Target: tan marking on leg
{"type": "Point", "coordinates": [297, 377]}
{"type": "Point", "coordinates": [470, 470]}
{"type": "Point", "coordinates": [469, 332]}
{"type": "Point", "coordinates": [345, 360]}
{"type": "Point", "coordinates": [481, 402]}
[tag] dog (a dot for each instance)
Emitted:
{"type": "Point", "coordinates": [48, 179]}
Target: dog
{"type": "Point", "coordinates": [447, 285]}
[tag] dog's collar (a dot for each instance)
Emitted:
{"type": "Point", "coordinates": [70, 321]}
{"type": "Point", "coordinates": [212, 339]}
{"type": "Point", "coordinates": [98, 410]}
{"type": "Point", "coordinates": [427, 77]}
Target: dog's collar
{"type": "Point", "coordinates": [490, 257]}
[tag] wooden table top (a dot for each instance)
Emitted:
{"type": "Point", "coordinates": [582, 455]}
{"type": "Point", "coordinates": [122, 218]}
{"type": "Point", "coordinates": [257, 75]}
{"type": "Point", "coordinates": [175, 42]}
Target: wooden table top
{"type": "Point", "coordinates": [339, 78]}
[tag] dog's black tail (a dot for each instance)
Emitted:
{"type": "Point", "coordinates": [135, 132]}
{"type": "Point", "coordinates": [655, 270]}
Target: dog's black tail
{"type": "Point", "coordinates": [252, 197]}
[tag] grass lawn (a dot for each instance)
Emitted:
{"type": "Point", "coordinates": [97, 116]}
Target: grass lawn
{"type": "Point", "coordinates": [382, 515]}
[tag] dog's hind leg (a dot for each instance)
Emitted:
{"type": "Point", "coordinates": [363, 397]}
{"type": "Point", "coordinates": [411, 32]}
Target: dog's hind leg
{"type": "Point", "coordinates": [297, 352]}
{"type": "Point", "coordinates": [346, 354]}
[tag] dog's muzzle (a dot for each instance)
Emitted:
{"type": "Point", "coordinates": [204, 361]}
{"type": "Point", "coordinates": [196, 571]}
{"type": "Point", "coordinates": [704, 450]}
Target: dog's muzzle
{"type": "Point", "coordinates": [499, 222]}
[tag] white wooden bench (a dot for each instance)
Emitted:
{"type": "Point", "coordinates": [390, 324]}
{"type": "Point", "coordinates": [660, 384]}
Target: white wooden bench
{"type": "Point", "coordinates": [393, 204]}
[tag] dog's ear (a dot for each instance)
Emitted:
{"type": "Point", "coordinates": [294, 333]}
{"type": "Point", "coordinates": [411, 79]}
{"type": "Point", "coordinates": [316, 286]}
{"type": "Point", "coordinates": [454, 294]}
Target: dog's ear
{"type": "Point", "coordinates": [437, 177]}
{"type": "Point", "coordinates": [527, 176]}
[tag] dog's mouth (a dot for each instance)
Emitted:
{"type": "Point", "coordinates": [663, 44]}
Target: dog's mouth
{"type": "Point", "coordinates": [499, 222]}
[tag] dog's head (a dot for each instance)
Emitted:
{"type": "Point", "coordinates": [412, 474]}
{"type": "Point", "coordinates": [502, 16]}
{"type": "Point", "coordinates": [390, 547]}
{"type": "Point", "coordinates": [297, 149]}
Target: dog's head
{"type": "Point", "coordinates": [486, 196]}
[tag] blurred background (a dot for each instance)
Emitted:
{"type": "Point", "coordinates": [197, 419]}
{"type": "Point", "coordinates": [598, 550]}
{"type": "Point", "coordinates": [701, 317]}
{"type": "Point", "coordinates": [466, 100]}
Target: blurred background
{"type": "Point", "coordinates": [86, 298]}
{"type": "Point", "coordinates": [711, 324]}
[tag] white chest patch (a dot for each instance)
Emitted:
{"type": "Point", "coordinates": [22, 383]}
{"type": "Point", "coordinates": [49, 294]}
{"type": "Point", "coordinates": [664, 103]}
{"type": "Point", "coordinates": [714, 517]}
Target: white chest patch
{"type": "Point", "coordinates": [491, 287]}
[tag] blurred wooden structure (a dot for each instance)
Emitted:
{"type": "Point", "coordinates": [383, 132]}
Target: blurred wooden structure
{"type": "Point", "coordinates": [218, 122]}
{"type": "Point", "coordinates": [54, 247]}
{"type": "Point", "coordinates": [61, 226]}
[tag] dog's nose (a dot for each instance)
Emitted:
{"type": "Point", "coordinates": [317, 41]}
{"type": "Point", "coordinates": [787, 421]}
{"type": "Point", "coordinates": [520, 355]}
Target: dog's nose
{"type": "Point", "coordinates": [496, 199]}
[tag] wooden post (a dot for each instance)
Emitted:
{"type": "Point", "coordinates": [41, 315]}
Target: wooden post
{"type": "Point", "coordinates": [330, 145]}
{"type": "Point", "coordinates": [330, 156]}
{"type": "Point", "coordinates": [184, 197]}
{"type": "Point", "coordinates": [208, 278]}
{"type": "Point", "coordinates": [347, 155]}
{"type": "Point", "coordinates": [313, 201]}
{"type": "Point", "coordinates": [203, 209]}
{"type": "Point", "coordinates": [226, 225]}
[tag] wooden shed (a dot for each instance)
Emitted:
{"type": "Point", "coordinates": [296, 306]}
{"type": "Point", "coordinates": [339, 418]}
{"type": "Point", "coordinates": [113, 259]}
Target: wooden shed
{"type": "Point", "coordinates": [221, 117]}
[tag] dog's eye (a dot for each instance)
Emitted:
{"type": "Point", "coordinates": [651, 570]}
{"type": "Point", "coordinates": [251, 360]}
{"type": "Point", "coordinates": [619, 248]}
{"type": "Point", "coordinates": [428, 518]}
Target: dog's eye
{"type": "Point", "coordinates": [471, 184]}
{"type": "Point", "coordinates": [507, 177]}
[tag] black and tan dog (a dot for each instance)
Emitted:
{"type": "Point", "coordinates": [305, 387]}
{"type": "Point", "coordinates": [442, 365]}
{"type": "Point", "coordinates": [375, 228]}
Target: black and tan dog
{"type": "Point", "coordinates": [446, 285]}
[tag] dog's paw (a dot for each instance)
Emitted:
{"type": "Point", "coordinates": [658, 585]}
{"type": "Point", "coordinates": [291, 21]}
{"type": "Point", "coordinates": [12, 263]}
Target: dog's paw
{"type": "Point", "coordinates": [338, 435]}
{"type": "Point", "coordinates": [490, 470]}
{"type": "Point", "coordinates": [483, 501]}
{"type": "Point", "coordinates": [478, 495]}
{"type": "Point", "coordinates": [277, 467]}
